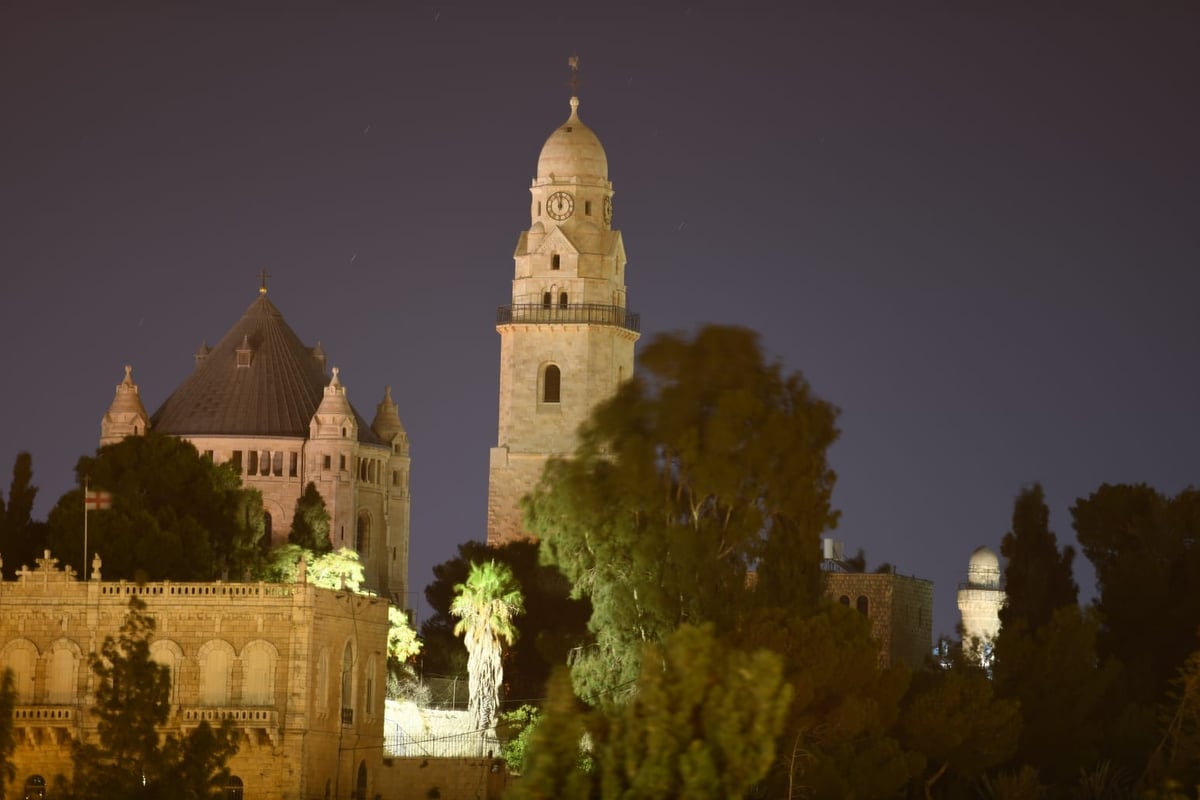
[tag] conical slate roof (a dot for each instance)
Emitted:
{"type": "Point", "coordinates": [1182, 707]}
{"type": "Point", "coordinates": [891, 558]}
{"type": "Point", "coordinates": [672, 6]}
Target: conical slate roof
{"type": "Point", "coordinates": [259, 380]}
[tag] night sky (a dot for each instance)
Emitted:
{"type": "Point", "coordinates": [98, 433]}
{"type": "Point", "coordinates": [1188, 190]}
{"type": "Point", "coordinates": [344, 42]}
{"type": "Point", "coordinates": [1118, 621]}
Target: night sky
{"type": "Point", "coordinates": [976, 231]}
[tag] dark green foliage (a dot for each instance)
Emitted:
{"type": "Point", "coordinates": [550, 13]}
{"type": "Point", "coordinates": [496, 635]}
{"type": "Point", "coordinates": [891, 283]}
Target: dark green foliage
{"type": "Point", "coordinates": [310, 522]}
{"type": "Point", "coordinates": [955, 721]}
{"type": "Point", "coordinates": [552, 625]}
{"type": "Point", "coordinates": [1064, 694]}
{"type": "Point", "coordinates": [174, 516]}
{"type": "Point", "coordinates": [1144, 548]}
{"type": "Point", "coordinates": [132, 759]}
{"type": "Point", "coordinates": [708, 462]}
{"type": "Point", "coordinates": [838, 739]}
{"type": "Point", "coordinates": [21, 538]}
{"type": "Point", "coordinates": [8, 742]}
{"type": "Point", "coordinates": [1037, 577]}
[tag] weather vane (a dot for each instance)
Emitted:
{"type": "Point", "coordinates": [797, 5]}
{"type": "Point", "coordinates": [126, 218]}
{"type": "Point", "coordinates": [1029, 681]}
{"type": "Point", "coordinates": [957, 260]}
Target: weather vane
{"type": "Point", "coordinates": [573, 63]}
{"type": "Point", "coordinates": [262, 277]}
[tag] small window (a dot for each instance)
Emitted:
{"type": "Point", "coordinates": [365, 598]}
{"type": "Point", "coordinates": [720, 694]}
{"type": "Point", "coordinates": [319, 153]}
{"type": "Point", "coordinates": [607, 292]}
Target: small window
{"type": "Point", "coordinates": [328, 462]}
{"type": "Point", "coordinates": [555, 261]}
{"type": "Point", "coordinates": [395, 477]}
{"type": "Point", "coordinates": [587, 207]}
{"type": "Point", "coordinates": [844, 600]}
{"type": "Point", "coordinates": [233, 788]}
{"type": "Point", "coordinates": [237, 460]}
{"type": "Point", "coordinates": [539, 208]}
{"type": "Point", "coordinates": [343, 436]}
{"type": "Point", "coordinates": [862, 604]}
{"type": "Point", "coordinates": [294, 465]}
{"type": "Point", "coordinates": [550, 389]}
{"type": "Point", "coordinates": [252, 462]}
{"type": "Point", "coordinates": [277, 464]}
{"type": "Point", "coordinates": [562, 300]}
{"type": "Point", "coordinates": [342, 463]}
{"type": "Point", "coordinates": [547, 300]}
{"type": "Point", "coordinates": [265, 462]}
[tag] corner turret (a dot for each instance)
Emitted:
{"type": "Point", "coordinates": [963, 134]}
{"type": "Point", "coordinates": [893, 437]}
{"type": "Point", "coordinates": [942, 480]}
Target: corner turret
{"type": "Point", "coordinates": [126, 416]}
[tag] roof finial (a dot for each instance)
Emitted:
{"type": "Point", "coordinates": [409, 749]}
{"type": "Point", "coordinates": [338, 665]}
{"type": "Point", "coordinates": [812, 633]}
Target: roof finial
{"type": "Point", "coordinates": [573, 63]}
{"type": "Point", "coordinates": [262, 277]}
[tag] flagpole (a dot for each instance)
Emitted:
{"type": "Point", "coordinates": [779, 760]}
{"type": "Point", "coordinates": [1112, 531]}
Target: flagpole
{"type": "Point", "coordinates": [83, 564]}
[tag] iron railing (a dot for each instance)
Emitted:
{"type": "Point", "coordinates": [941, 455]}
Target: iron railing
{"type": "Point", "coordinates": [571, 313]}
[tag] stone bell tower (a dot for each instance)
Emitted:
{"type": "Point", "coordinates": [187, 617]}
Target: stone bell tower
{"type": "Point", "coordinates": [566, 341]}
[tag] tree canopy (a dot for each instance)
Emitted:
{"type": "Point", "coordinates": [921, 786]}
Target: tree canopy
{"type": "Point", "coordinates": [310, 522]}
{"type": "Point", "coordinates": [706, 465]}
{"type": "Point", "coordinates": [21, 537]}
{"type": "Point", "coordinates": [1037, 576]}
{"type": "Point", "coordinates": [132, 759]}
{"type": "Point", "coordinates": [175, 515]}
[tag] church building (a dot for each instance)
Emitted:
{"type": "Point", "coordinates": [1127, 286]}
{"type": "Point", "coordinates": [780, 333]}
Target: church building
{"type": "Point", "coordinates": [263, 400]}
{"type": "Point", "coordinates": [566, 341]}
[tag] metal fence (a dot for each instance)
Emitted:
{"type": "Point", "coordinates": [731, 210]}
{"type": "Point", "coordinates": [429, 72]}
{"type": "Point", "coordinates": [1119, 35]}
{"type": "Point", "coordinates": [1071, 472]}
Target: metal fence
{"type": "Point", "coordinates": [473, 744]}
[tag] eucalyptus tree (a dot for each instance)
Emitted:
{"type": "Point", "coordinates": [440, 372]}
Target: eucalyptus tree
{"type": "Point", "coordinates": [485, 605]}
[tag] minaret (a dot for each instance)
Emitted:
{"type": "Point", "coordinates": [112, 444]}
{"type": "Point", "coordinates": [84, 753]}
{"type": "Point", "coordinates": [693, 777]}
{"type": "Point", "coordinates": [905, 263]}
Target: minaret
{"type": "Point", "coordinates": [566, 341]}
{"type": "Point", "coordinates": [126, 416]}
{"type": "Point", "coordinates": [981, 598]}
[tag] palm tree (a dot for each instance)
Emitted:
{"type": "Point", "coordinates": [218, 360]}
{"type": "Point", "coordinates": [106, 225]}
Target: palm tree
{"type": "Point", "coordinates": [485, 605]}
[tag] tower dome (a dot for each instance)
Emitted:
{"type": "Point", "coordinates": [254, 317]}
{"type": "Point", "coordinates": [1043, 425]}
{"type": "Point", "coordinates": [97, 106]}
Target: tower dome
{"type": "Point", "coordinates": [573, 150]}
{"type": "Point", "coordinates": [984, 569]}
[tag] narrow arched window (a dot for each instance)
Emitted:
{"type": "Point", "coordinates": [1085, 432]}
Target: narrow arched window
{"type": "Point", "coordinates": [862, 604]}
{"type": "Point", "coordinates": [562, 300]}
{"type": "Point", "coordinates": [35, 787]}
{"type": "Point", "coordinates": [555, 261]}
{"type": "Point", "coordinates": [546, 300]}
{"type": "Point", "coordinates": [348, 685]}
{"type": "Point", "coordinates": [844, 600]}
{"type": "Point", "coordinates": [551, 385]}
{"type": "Point", "coordinates": [233, 788]}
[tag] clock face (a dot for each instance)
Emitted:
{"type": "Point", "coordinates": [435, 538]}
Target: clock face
{"type": "Point", "coordinates": [608, 211]}
{"type": "Point", "coordinates": [560, 205]}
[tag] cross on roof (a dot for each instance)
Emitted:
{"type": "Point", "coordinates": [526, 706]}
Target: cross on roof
{"type": "Point", "coordinates": [573, 63]}
{"type": "Point", "coordinates": [46, 563]}
{"type": "Point", "coordinates": [262, 277]}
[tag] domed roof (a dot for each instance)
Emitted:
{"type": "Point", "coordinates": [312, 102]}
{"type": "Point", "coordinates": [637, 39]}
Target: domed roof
{"type": "Point", "coordinates": [259, 380]}
{"type": "Point", "coordinates": [573, 150]}
{"type": "Point", "coordinates": [984, 569]}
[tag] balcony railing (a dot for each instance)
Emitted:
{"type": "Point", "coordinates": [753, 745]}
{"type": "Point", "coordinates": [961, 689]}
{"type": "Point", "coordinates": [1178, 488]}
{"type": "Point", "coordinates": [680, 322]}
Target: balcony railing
{"type": "Point", "coordinates": [44, 715]}
{"type": "Point", "coordinates": [570, 314]}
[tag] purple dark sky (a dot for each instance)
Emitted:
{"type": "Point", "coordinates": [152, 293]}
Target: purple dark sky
{"type": "Point", "coordinates": [977, 232]}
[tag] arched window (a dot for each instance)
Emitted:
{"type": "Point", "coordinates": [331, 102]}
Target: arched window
{"type": "Point", "coordinates": [555, 261]}
{"type": "Point", "coordinates": [35, 787]}
{"type": "Point", "coordinates": [562, 300]}
{"type": "Point", "coordinates": [360, 787]}
{"type": "Point", "coordinates": [362, 536]}
{"type": "Point", "coordinates": [233, 788]}
{"type": "Point", "coordinates": [168, 654]}
{"type": "Point", "coordinates": [60, 676]}
{"type": "Point", "coordinates": [551, 384]}
{"type": "Point", "coordinates": [844, 600]}
{"type": "Point", "coordinates": [547, 300]}
{"type": "Point", "coordinates": [862, 604]}
{"type": "Point", "coordinates": [258, 673]}
{"type": "Point", "coordinates": [21, 657]}
{"type": "Point", "coordinates": [323, 680]}
{"type": "Point", "coordinates": [348, 685]}
{"type": "Point", "coordinates": [216, 665]}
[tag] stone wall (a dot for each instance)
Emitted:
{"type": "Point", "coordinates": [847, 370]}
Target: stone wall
{"type": "Point", "coordinates": [266, 656]}
{"type": "Point", "coordinates": [900, 608]}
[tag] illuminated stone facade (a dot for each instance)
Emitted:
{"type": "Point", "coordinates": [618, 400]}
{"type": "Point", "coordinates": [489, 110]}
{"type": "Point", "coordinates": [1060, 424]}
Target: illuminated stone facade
{"type": "Point", "coordinates": [301, 672]}
{"type": "Point", "coordinates": [264, 401]}
{"type": "Point", "coordinates": [566, 342]}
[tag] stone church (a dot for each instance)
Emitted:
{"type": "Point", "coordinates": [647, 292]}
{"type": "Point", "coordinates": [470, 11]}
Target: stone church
{"type": "Point", "coordinates": [264, 401]}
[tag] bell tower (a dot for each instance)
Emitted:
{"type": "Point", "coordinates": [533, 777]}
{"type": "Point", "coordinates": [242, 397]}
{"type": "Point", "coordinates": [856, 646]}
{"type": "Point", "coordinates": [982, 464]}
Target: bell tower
{"type": "Point", "coordinates": [566, 341]}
